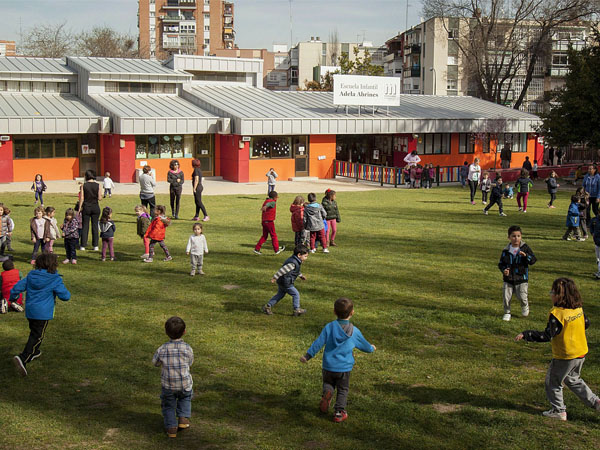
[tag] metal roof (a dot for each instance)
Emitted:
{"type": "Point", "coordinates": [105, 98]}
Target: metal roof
{"type": "Point", "coordinates": [124, 66]}
{"type": "Point", "coordinates": [257, 111]}
{"type": "Point", "coordinates": [22, 113]}
{"type": "Point", "coordinates": [154, 113]}
{"type": "Point", "coordinates": [34, 65]}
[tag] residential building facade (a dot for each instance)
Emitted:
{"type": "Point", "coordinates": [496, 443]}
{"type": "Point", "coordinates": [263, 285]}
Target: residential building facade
{"type": "Point", "coordinates": [8, 48]}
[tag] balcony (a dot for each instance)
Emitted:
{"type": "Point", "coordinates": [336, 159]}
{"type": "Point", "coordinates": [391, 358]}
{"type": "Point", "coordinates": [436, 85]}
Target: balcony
{"type": "Point", "coordinates": [179, 4]}
{"type": "Point", "coordinates": [171, 18]}
{"type": "Point", "coordinates": [412, 49]}
{"type": "Point", "coordinates": [228, 11]}
{"type": "Point", "coordinates": [228, 37]}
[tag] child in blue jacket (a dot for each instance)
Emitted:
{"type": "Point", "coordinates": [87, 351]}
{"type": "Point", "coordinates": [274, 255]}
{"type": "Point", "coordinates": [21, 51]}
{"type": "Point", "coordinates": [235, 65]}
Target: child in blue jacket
{"type": "Point", "coordinates": [339, 337]}
{"type": "Point", "coordinates": [572, 220]}
{"type": "Point", "coordinates": [41, 285]}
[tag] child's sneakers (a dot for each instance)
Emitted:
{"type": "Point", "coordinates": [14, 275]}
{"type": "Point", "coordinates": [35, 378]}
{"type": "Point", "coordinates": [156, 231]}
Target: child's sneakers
{"type": "Point", "coordinates": [16, 307]}
{"type": "Point", "coordinates": [524, 311]}
{"type": "Point", "coordinates": [184, 423]}
{"type": "Point", "coordinates": [325, 401]}
{"type": "Point", "coordinates": [3, 306]}
{"type": "Point", "coordinates": [172, 432]}
{"type": "Point", "coordinates": [280, 250]}
{"type": "Point", "coordinates": [552, 414]}
{"type": "Point", "coordinates": [192, 272]}
{"type": "Point", "coordinates": [148, 260]}
{"type": "Point", "coordinates": [145, 256]}
{"type": "Point", "coordinates": [66, 261]}
{"type": "Point", "coordinates": [257, 252]}
{"type": "Point", "coordinates": [168, 258]}
{"type": "Point", "coordinates": [267, 310]}
{"type": "Point", "coordinates": [485, 211]}
{"type": "Point", "coordinates": [502, 214]}
{"type": "Point", "coordinates": [20, 365]}
{"type": "Point", "coordinates": [313, 250]}
{"type": "Point", "coordinates": [201, 272]}
{"type": "Point", "coordinates": [325, 250]}
{"type": "Point", "coordinates": [342, 415]}
{"type": "Point", "coordinates": [299, 312]}
{"type": "Point", "coordinates": [506, 317]}
{"type": "Point", "coordinates": [597, 275]}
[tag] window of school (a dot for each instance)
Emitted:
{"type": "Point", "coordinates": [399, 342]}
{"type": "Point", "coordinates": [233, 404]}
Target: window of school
{"type": "Point", "coordinates": [516, 141]}
{"type": "Point", "coordinates": [435, 144]}
{"type": "Point", "coordinates": [465, 143]}
{"type": "Point", "coordinates": [155, 88]}
{"type": "Point", "coordinates": [35, 86]}
{"type": "Point", "coordinates": [45, 148]}
{"type": "Point", "coordinates": [164, 146]}
{"type": "Point", "coordinates": [271, 147]}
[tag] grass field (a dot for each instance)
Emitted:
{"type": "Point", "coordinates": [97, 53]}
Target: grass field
{"type": "Point", "coordinates": [421, 267]}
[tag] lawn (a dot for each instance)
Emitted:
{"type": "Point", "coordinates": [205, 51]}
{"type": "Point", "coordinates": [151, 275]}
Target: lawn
{"type": "Point", "coordinates": [421, 268]}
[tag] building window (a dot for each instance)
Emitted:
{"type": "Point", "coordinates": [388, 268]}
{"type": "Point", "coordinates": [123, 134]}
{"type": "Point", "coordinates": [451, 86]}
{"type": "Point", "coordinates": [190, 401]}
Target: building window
{"type": "Point", "coordinates": [271, 147]}
{"type": "Point", "coordinates": [37, 86]}
{"type": "Point", "coordinates": [206, 28]}
{"type": "Point", "coordinates": [111, 86]}
{"type": "Point", "coordinates": [465, 144]}
{"type": "Point", "coordinates": [45, 148]}
{"type": "Point", "coordinates": [436, 143]}
{"type": "Point", "coordinates": [164, 146]}
{"type": "Point", "coordinates": [160, 88]}
{"type": "Point", "coordinates": [206, 41]}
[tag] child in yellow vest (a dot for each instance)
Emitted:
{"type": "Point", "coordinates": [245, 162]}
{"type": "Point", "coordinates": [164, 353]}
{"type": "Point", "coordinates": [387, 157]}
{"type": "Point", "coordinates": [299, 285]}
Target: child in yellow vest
{"type": "Point", "coordinates": [566, 329]}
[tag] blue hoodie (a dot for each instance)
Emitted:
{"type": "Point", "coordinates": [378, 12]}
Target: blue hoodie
{"type": "Point", "coordinates": [591, 184]}
{"type": "Point", "coordinates": [42, 288]}
{"type": "Point", "coordinates": [573, 215]}
{"type": "Point", "coordinates": [337, 356]}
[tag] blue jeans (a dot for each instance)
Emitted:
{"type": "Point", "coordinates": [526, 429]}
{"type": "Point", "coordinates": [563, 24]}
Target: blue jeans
{"type": "Point", "coordinates": [281, 291]}
{"type": "Point", "coordinates": [175, 404]}
{"type": "Point", "coordinates": [39, 195]}
{"type": "Point", "coordinates": [463, 180]}
{"type": "Point", "coordinates": [271, 187]}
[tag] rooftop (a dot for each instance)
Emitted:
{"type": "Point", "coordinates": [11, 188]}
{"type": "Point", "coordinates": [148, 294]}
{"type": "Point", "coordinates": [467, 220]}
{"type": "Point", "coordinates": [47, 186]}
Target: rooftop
{"type": "Point", "coordinates": [34, 65]}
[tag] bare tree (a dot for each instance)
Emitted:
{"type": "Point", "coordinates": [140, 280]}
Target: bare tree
{"type": "Point", "coordinates": [502, 39]}
{"type": "Point", "coordinates": [334, 47]}
{"type": "Point", "coordinates": [490, 130]}
{"type": "Point", "coordinates": [106, 42]}
{"type": "Point", "coordinates": [49, 41]}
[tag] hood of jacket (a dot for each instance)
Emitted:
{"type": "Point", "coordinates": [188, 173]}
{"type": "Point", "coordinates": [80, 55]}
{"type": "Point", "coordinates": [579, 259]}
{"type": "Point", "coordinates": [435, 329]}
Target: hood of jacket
{"type": "Point", "coordinates": [40, 279]}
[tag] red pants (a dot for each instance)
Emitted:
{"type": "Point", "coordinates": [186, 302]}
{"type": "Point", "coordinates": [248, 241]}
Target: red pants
{"type": "Point", "coordinates": [268, 229]}
{"type": "Point", "coordinates": [322, 238]}
{"type": "Point", "coordinates": [522, 195]}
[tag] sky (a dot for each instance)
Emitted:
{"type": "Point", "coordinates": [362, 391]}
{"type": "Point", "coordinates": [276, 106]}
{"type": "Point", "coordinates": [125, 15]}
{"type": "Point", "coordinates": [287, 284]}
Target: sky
{"type": "Point", "coordinates": [258, 23]}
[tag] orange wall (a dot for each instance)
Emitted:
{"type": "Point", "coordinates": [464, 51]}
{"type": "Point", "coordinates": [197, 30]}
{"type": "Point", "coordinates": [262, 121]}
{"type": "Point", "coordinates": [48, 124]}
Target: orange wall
{"type": "Point", "coordinates": [50, 168]}
{"type": "Point", "coordinates": [161, 166]}
{"type": "Point", "coordinates": [285, 168]}
{"type": "Point", "coordinates": [321, 145]}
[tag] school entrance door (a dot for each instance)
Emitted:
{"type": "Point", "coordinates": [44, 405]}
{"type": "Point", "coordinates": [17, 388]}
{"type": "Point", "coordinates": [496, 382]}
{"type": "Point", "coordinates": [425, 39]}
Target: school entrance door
{"type": "Point", "coordinates": [300, 146]}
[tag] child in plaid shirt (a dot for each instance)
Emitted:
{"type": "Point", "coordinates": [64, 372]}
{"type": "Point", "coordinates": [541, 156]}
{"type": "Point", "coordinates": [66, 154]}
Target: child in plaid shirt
{"type": "Point", "coordinates": [175, 357]}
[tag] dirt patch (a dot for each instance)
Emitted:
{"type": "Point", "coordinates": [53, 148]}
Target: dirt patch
{"type": "Point", "coordinates": [230, 287]}
{"type": "Point", "coordinates": [445, 408]}
{"type": "Point", "coordinates": [110, 433]}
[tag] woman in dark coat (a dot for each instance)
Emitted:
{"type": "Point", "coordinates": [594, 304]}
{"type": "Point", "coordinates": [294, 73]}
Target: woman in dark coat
{"type": "Point", "coordinates": [197, 189]}
{"type": "Point", "coordinates": [175, 180]}
{"type": "Point", "coordinates": [90, 210]}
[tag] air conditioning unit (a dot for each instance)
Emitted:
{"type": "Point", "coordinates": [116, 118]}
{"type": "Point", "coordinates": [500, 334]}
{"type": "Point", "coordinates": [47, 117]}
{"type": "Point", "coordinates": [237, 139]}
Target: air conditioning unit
{"type": "Point", "coordinates": [224, 125]}
{"type": "Point", "coordinates": [4, 138]}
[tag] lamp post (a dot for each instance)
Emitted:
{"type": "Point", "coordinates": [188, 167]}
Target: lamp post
{"type": "Point", "coordinates": [432, 69]}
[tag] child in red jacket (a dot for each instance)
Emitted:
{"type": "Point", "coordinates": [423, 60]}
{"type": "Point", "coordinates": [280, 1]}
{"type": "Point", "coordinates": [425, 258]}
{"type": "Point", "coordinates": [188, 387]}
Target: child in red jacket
{"type": "Point", "coordinates": [156, 233]}
{"type": "Point", "coordinates": [8, 279]}
{"type": "Point", "coordinates": [269, 210]}
{"type": "Point", "coordinates": [297, 210]}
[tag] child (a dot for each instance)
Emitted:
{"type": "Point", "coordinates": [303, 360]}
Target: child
{"type": "Point", "coordinates": [143, 222]}
{"type": "Point", "coordinates": [40, 232]}
{"type": "Point", "coordinates": [523, 185]}
{"type": "Point", "coordinates": [196, 248]}
{"type": "Point", "coordinates": [38, 187]}
{"type": "Point", "coordinates": [54, 231]}
{"type": "Point", "coordinates": [107, 230]}
{"type": "Point", "coordinates": [70, 229]}
{"type": "Point", "coordinates": [406, 175]}
{"type": "Point", "coordinates": [314, 214]}
{"type": "Point", "coordinates": [5, 228]}
{"type": "Point", "coordinates": [42, 285]}
{"type": "Point", "coordinates": [552, 188]}
{"type": "Point", "coordinates": [534, 172]}
{"type": "Point", "coordinates": [418, 175]}
{"type": "Point", "coordinates": [413, 177]}
{"type": "Point", "coordinates": [297, 210]}
{"type": "Point", "coordinates": [269, 211]}
{"type": "Point", "coordinates": [156, 233]}
{"type": "Point", "coordinates": [508, 192]}
{"type": "Point", "coordinates": [583, 205]}
{"type": "Point", "coordinates": [108, 185]}
{"type": "Point", "coordinates": [431, 175]}
{"type": "Point", "coordinates": [11, 225]}
{"type": "Point", "coordinates": [486, 185]}
{"type": "Point", "coordinates": [572, 220]}
{"type": "Point", "coordinates": [425, 181]}
{"type": "Point", "coordinates": [463, 172]}
{"type": "Point", "coordinates": [514, 265]}
{"type": "Point", "coordinates": [333, 216]}
{"type": "Point", "coordinates": [175, 357]}
{"type": "Point", "coordinates": [339, 337]}
{"type": "Point", "coordinates": [496, 197]}
{"type": "Point", "coordinates": [566, 330]}
{"type": "Point", "coordinates": [8, 279]}
{"type": "Point", "coordinates": [271, 176]}
{"type": "Point", "coordinates": [595, 230]}
{"type": "Point", "coordinates": [285, 278]}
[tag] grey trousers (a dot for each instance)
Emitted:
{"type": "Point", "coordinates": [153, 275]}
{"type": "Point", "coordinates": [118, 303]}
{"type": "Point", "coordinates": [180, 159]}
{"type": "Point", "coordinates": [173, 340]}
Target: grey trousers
{"type": "Point", "coordinates": [196, 261]}
{"type": "Point", "coordinates": [569, 372]}
{"type": "Point", "coordinates": [520, 290]}
{"type": "Point", "coordinates": [341, 381]}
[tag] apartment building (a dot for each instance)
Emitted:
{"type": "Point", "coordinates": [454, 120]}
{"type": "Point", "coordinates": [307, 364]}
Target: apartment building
{"type": "Point", "coordinates": [8, 48]}
{"type": "Point", "coordinates": [428, 59]}
{"type": "Point", "coordinates": [187, 27]}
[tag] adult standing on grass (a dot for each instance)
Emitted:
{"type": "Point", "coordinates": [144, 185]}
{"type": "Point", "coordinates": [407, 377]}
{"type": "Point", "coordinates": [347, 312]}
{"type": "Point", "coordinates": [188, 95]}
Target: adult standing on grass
{"type": "Point", "coordinates": [591, 184]}
{"type": "Point", "coordinates": [90, 212]}
{"type": "Point", "coordinates": [412, 159]}
{"type": "Point", "coordinates": [473, 177]}
{"type": "Point", "coordinates": [147, 185]}
{"type": "Point", "coordinates": [197, 188]}
{"type": "Point", "coordinates": [175, 180]}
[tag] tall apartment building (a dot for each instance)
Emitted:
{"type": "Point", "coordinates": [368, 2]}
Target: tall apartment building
{"type": "Point", "coordinates": [428, 59]}
{"type": "Point", "coordinates": [188, 27]}
{"type": "Point", "coordinates": [8, 48]}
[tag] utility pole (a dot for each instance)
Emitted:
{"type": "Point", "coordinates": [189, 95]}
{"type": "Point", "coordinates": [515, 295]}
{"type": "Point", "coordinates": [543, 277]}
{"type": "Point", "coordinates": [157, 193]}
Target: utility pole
{"type": "Point", "coordinates": [291, 37]}
{"type": "Point", "coordinates": [406, 17]}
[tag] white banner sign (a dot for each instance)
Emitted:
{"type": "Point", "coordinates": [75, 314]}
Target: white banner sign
{"type": "Point", "coordinates": [365, 90]}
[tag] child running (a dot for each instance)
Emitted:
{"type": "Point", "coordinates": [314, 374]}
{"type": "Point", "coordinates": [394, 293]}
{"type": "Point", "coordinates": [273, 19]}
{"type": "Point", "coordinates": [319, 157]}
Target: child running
{"type": "Point", "coordinates": [572, 220]}
{"type": "Point", "coordinates": [271, 177]}
{"type": "Point", "coordinates": [552, 188]}
{"type": "Point", "coordinates": [40, 232]}
{"type": "Point", "coordinates": [297, 210]}
{"type": "Point", "coordinates": [156, 233]}
{"type": "Point", "coordinates": [107, 229]}
{"type": "Point", "coordinates": [269, 211]}
{"type": "Point", "coordinates": [566, 331]}
{"type": "Point", "coordinates": [523, 186]}
{"type": "Point", "coordinates": [285, 278]}
{"type": "Point", "coordinates": [175, 358]}
{"type": "Point", "coordinates": [514, 264]}
{"type": "Point", "coordinates": [340, 338]}
{"type": "Point", "coordinates": [143, 222]}
{"type": "Point", "coordinates": [41, 286]}
{"type": "Point", "coordinates": [38, 187]}
{"type": "Point", "coordinates": [496, 197]}
{"type": "Point", "coordinates": [108, 185]}
{"type": "Point", "coordinates": [54, 231]}
{"type": "Point", "coordinates": [6, 228]}
{"type": "Point", "coordinates": [10, 276]}
{"type": "Point", "coordinates": [314, 215]}
{"type": "Point", "coordinates": [70, 229]}
{"type": "Point", "coordinates": [485, 185]}
{"type": "Point", "coordinates": [196, 248]}
{"type": "Point", "coordinates": [332, 216]}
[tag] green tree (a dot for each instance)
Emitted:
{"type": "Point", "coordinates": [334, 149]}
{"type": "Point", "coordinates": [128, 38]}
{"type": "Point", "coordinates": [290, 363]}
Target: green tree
{"type": "Point", "coordinates": [575, 116]}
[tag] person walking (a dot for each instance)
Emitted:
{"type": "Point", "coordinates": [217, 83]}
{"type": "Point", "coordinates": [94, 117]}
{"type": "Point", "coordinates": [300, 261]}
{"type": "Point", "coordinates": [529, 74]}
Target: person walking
{"type": "Point", "coordinates": [92, 193]}
{"type": "Point", "coordinates": [147, 185]}
{"type": "Point", "coordinates": [473, 177]}
{"type": "Point", "coordinates": [175, 179]}
{"type": "Point", "coordinates": [197, 188]}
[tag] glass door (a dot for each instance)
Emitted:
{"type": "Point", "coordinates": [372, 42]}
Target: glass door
{"type": "Point", "coordinates": [205, 151]}
{"type": "Point", "coordinates": [300, 145]}
{"type": "Point", "coordinates": [87, 154]}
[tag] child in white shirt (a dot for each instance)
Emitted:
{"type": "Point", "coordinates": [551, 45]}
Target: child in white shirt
{"type": "Point", "coordinates": [196, 248]}
{"type": "Point", "coordinates": [108, 185]}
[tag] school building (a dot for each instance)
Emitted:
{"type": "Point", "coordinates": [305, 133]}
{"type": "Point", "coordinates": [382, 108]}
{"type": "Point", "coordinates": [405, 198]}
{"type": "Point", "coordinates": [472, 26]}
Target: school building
{"type": "Point", "coordinates": [60, 117]}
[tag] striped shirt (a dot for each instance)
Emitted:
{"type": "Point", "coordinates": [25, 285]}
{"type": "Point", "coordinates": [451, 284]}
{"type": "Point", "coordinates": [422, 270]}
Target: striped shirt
{"type": "Point", "coordinates": [175, 357]}
{"type": "Point", "coordinates": [287, 268]}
